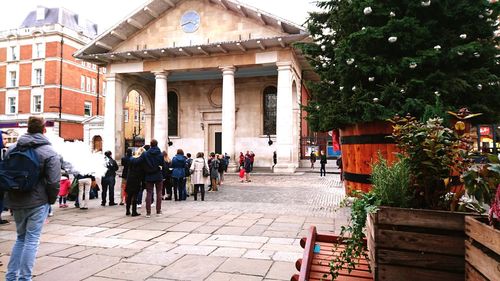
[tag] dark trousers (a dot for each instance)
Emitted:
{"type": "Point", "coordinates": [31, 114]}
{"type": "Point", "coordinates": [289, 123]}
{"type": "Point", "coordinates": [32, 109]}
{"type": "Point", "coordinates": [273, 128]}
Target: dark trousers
{"type": "Point", "coordinates": [1, 204]}
{"type": "Point", "coordinates": [158, 186]}
{"type": "Point", "coordinates": [322, 170]}
{"type": "Point", "coordinates": [108, 183]}
{"type": "Point", "coordinates": [131, 200]}
{"type": "Point", "coordinates": [167, 187]}
{"type": "Point", "coordinates": [201, 188]}
{"type": "Point", "coordinates": [180, 188]}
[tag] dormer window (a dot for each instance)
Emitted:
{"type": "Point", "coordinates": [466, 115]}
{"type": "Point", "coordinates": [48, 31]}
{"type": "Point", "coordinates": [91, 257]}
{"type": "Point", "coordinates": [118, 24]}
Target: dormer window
{"type": "Point", "coordinates": [40, 13]}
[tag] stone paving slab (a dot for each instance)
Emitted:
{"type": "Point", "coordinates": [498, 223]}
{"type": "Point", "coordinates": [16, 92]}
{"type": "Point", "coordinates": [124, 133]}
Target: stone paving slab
{"type": "Point", "coordinates": [130, 271]}
{"type": "Point", "coordinates": [47, 263]}
{"type": "Point", "coordinates": [79, 269]}
{"type": "Point", "coordinates": [154, 257]}
{"type": "Point", "coordinates": [245, 266]}
{"type": "Point", "coordinates": [228, 252]}
{"type": "Point", "coordinates": [282, 271]}
{"type": "Point", "coordinates": [183, 269]}
{"type": "Point", "coordinates": [221, 276]}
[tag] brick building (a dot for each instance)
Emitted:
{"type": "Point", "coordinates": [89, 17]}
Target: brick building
{"type": "Point", "coordinates": [40, 76]}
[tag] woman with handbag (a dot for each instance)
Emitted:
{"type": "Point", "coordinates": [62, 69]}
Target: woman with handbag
{"type": "Point", "coordinates": [199, 175]}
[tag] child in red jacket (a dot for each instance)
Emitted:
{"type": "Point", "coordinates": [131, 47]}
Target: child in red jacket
{"type": "Point", "coordinates": [65, 184]}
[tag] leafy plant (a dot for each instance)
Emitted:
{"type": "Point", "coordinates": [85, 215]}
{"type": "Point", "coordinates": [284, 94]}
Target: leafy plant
{"type": "Point", "coordinates": [352, 235]}
{"type": "Point", "coordinates": [391, 183]}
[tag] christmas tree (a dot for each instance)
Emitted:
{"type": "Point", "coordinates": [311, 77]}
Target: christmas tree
{"type": "Point", "coordinates": [380, 58]}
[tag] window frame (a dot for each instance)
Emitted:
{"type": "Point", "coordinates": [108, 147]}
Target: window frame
{"type": "Point", "coordinates": [89, 104]}
{"type": "Point", "coordinates": [8, 97]}
{"type": "Point", "coordinates": [11, 84]}
{"type": "Point", "coordinates": [171, 131]}
{"type": "Point", "coordinates": [126, 115]}
{"type": "Point", "coordinates": [82, 82]}
{"type": "Point", "coordinates": [33, 104]}
{"type": "Point", "coordinates": [265, 93]}
{"type": "Point", "coordinates": [38, 79]}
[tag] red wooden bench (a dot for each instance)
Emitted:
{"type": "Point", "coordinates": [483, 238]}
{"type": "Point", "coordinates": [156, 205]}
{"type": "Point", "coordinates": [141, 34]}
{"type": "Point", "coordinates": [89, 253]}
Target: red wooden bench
{"type": "Point", "coordinates": [315, 266]}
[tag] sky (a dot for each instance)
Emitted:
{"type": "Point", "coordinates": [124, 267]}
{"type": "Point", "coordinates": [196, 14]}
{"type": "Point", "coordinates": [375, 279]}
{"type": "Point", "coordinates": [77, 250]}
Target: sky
{"type": "Point", "coordinates": [108, 12]}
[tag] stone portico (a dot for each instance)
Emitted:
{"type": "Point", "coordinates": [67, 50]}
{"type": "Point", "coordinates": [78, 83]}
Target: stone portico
{"type": "Point", "coordinates": [218, 71]}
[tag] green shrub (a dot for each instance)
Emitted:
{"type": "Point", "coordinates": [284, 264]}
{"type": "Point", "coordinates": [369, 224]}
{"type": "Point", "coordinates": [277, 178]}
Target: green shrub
{"type": "Point", "coordinates": [391, 183]}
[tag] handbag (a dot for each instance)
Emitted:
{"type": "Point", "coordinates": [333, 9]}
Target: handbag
{"type": "Point", "coordinates": [206, 173]}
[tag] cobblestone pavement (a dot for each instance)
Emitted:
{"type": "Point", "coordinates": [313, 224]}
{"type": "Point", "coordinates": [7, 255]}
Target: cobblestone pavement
{"type": "Point", "coordinates": [246, 231]}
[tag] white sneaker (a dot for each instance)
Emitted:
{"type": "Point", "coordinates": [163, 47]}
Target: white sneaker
{"type": "Point", "coordinates": [152, 204]}
{"type": "Point", "coordinates": [51, 214]}
{"type": "Point", "coordinates": [139, 205]}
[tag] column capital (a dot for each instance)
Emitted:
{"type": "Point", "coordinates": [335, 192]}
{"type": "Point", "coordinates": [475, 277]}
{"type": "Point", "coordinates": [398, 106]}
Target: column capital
{"type": "Point", "coordinates": [113, 77]}
{"type": "Point", "coordinates": [160, 74]}
{"type": "Point", "coordinates": [285, 65]}
{"type": "Point", "coordinates": [228, 70]}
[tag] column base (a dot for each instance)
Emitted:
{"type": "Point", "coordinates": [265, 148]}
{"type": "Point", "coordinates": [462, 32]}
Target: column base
{"type": "Point", "coordinates": [285, 168]}
{"type": "Point", "coordinates": [232, 168]}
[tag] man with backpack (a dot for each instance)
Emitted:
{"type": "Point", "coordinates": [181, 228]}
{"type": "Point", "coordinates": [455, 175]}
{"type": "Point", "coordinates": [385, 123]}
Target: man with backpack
{"type": "Point", "coordinates": [31, 197]}
{"type": "Point", "coordinates": [109, 179]}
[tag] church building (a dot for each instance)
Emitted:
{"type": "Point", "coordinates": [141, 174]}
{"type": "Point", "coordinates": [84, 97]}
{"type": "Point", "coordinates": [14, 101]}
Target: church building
{"type": "Point", "coordinates": [214, 76]}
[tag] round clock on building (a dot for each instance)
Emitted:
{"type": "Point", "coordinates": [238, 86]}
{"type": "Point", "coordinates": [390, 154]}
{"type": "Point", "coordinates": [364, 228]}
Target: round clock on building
{"type": "Point", "coordinates": [190, 21]}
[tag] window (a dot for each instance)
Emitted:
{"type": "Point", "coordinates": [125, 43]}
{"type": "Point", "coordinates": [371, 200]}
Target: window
{"type": "Point", "coordinates": [270, 96]}
{"type": "Point", "coordinates": [38, 50]}
{"type": "Point", "coordinates": [125, 115]}
{"type": "Point", "coordinates": [87, 109]}
{"type": "Point", "coordinates": [93, 85]}
{"type": "Point", "coordinates": [13, 78]}
{"type": "Point", "coordinates": [82, 83]}
{"type": "Point", "coordinates": [12, 105]}
{"type": "Point", "coordinates": [13, 52]}
{"type": "Point", "coordinates": [36, 102]}
{"type": "Point", "coordinates": [136, 115]}
{"type": "Point", "coordinates": [88, 84]}
{"type": "Point", "coordinates": [143, 118]}
{"type": "Point", "coordinates": [173, 109]}
{"type": "Point", "coordinates": [38, 76]}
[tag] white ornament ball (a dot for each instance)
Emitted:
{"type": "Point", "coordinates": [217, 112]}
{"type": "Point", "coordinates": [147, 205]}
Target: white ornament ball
{"type": "Point", "coordinates": [392, 39]}
{"type": "Point", "coordinates": [375, 100]}
{"type": "Point", "coordinates": [479, 87]}
{"type": "Point", "coordinates": [437, 47]}
{"type": "Point", "coordinates": [481, 16]}
{"type": "Point", "coordinates": [477, 55]}
{"type": "Point", "coordinates": [463, 36]}
{"type": "Point", "coordinates": [413, 65]}
{"type": "Point", "coordinates": [426, 3]}
{"type": "Point", "coordinates": [354, 88]}
{"type": "Point", "coordinates": [371, 79]}
{"type": "Point", "coordinates": [363, 28]}
{"type": "Point", "coordinates": [460, 53]}
{"type": "Point", "coordinates": [392, 14]}
{"type": "Point", "coordinates": [323, 47]}
{"type": "Point", "coordinates": [437, 93]}
{"type": "Point", "coordinates": [341, 88]}
{"type": "Point", "coordinates": [402, 91]}
{"type": "Point", "coordinates": [350, 61]}
{"type": "Point", "coordinates": [367, 10]}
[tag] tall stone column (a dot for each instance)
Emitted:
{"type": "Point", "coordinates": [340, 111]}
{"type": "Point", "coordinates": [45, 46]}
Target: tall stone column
{"type": "Point", "coordinates": [160, 132]}
{"type": "Point", "coordinates": [228, 114]}
{"type": "Point", "coordinates": [284, 120]}
{"type": "Point", "coordinates": [113, 139]}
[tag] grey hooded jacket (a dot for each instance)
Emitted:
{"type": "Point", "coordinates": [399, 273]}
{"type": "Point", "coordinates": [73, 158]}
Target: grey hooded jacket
{"type": "Point", "coordinates": [47, 188]}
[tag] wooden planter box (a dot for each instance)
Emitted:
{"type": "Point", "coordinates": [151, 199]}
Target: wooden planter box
{"type": "Point", "coordinates": [411, 244]}
{"type": "Point", "coordinates": [482, 251]}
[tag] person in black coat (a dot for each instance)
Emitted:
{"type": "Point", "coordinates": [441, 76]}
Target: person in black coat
{"type": "Point", "coordinates": [124, 162]}
{"type": "Point", "coordinates": [135, 176]}
{"type": "Point", "coordinates": [153, 165]}
{"type": "Point", "coordinates": [322, 162]}
{"type": "Point", "coordinates": [109, 179]}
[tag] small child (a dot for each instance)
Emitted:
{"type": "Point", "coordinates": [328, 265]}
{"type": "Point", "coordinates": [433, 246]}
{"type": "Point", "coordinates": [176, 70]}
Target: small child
{"type": "Point", "coordinates": [65, 184]}
{"type": "Point", "coordinates": [242, 174]}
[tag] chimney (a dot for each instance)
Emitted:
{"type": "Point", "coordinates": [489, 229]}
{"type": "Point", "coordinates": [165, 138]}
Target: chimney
{"type": "Point", "coordinates": [40, 13]}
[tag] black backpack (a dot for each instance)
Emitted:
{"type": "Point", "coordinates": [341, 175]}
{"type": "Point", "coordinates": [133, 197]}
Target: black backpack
{"type": "Point", "coordinates": [20, 170]}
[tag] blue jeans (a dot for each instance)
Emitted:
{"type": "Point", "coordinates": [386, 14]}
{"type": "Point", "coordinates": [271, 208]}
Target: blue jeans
{"type": "Point", "coordinates": [179, 187]}
{"type": "Point", "coordinates": [29, 223]}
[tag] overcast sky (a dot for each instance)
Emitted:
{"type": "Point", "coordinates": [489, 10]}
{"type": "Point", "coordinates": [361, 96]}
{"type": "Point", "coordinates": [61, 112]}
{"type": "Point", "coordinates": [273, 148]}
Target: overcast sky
{"type": "Point", "coordinates": [108, 12]}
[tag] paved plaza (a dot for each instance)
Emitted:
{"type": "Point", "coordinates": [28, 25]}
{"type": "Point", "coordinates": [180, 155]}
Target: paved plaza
{"type": "Point", "coordinates": [247, 231]}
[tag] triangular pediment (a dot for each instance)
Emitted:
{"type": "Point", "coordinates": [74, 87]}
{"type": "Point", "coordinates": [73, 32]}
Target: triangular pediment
{"type": "Point", "coordinates": [157, 24]}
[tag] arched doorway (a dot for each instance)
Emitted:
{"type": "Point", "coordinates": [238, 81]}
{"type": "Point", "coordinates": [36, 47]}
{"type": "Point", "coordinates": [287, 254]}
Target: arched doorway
{"type": "Point", "coordinates": [137, 117]}
{"type": "Point", "coordinates": [97, 143]}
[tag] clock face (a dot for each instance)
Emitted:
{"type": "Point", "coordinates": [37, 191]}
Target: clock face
{"type": "Point", "coordinates": [190, 21]}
